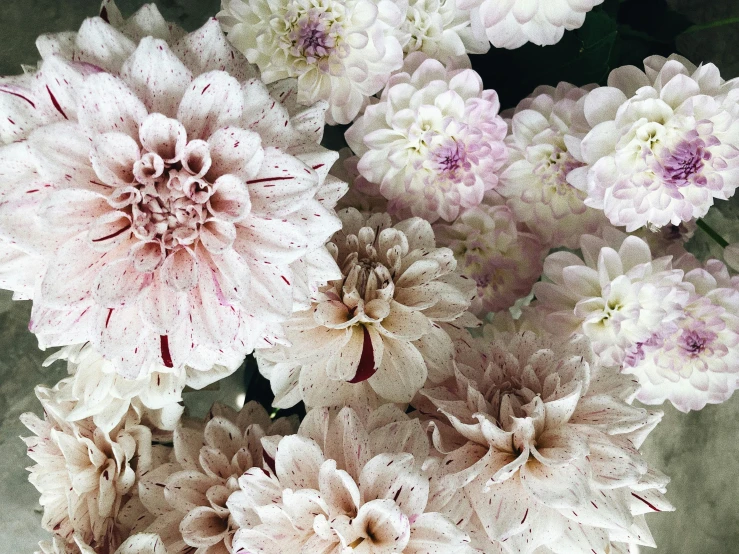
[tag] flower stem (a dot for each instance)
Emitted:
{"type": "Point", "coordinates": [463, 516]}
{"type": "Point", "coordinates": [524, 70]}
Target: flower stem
{"type": "Point", "coordinates": [711, 233]}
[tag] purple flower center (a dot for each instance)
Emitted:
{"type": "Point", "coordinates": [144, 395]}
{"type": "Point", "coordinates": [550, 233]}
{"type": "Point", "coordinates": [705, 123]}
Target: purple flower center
{"type": "Point", "coordinates": [450, 159]}
{"type": "Point", "coordinates": [685, 161]}
{"type": "Point", "coordinates": [694, 342]}
{"type": "Point", "coordinates": [313, 37]}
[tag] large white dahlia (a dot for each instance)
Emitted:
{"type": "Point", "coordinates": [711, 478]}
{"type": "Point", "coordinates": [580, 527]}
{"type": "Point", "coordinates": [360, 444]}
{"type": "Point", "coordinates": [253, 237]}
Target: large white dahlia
{"type": "Point", "coordinates": [664, 143]}
{"type": "Point", "coordinates": [381, 329]}
{"type": "Point", "coordinates": [616, 295]}
{"type": "Point", "coordinates": [503, 260]}
{"type": "Point", "coordinates": [188, 494]}
{"type": "Point", "coordinates": [434, 141]}
{"type": "Point", "coordinates": [346, 483]}
{"type": "Point", "coordinates": [513, 23]}
{"type": "Point", "coordinates": [439, 29]}
{"type": "Point", "coordinates": [534, 182]}
{"type": "Point", "coordinates": [84, 474]}
{"type": "Point", "coordinates": [694, 361]}
{"type": "Point", "coordinates": [342, 51]}
{"type": "Point", "coordinates": [540, 448]}
{"type": "Point", "coordinates": [171, 207]}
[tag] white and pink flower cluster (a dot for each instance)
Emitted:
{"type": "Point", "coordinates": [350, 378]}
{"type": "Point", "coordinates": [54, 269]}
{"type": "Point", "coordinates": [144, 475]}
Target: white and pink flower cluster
{"type": "Point", "coordinates": [167, 206]}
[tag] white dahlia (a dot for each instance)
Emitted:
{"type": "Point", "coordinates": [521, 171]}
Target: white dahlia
{"type": "Point", "coordinates": [695, 361]}
{"type": "Point", "coordinates": [503, 261]}
{"type": "Point", "coordinates": [439, 29]}
{"type": "Point", "coordinates": [513, 23]}
{"type": "Point", "coordinates": [346, 484]}
{"type": "Point", "coordinates": [381, 329]}
{"type": "Point", "coordinates": [617, 295]}
{"type": "Point", "coordinates": [534, 182]}
{"type": "Point", "coordinates": [540, 448]}
{"type": "Point", "coordinates": [188, 494]}
{"type": "Point", "coordinates": [342, 51]}
{"type": "Point", "coordinates": [434, 141]}
{"type": "Point", "coordinates": [84, 474]}
{"type": "Point", "coordinates": [178, 211]}
{"type": "Point", "coordinates": [664, 143]}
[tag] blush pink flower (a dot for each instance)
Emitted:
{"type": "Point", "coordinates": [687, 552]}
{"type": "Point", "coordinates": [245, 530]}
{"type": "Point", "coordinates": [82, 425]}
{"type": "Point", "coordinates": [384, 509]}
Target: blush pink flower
{"type": "Point", "coordinates": [434, 141]}
{"type": "Point", "coordinates": [664, 143]}
{"type": "Point", "coordinates": [540, 448]}
{"type": "Point", "coordinates": [174, 205]}
{"type": "Point", "coordinates": [513, 23]}
{"type": "Point", "coordinates": [534, 182]}
{"type": "Point", "coordinates": [502, 260]}
{"type": "Point", "coordinates": [341, 51]}
{"type": "Point", "coordinates": [617, 295]}
{"type": "Point", "coordinates": [346, 484]}
{"type": "Point", "coordinates": [695, 361]}
{"type": "Point", "coordinates": [380, 330]}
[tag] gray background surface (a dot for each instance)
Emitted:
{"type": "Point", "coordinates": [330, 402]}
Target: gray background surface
{"type": "Point", "coordinates": [700, 451]}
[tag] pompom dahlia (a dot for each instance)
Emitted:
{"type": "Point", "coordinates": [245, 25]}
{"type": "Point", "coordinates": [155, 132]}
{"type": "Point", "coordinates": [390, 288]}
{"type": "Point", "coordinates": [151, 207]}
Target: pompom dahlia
{"type": "Point", "coordinates": [84, 474]}
{"type": "Point", "coordinates": [380, 330]}
{"type": "Point", "coordinates": [342, 51]}
{"type": "Point", "coordinates": [617, 295]}
{"type": "Point", "coordinates": [344, 485]}
{"type": "Point", "coordinates": [439, 29]}
{"type": "Point", "coordinates": [503, 261]}
{"type": "Point", "coordinates": [664, 143]}
{"type": "Point", "coordinates": [541, 446]}
{"type": "Point", "coordinates": [513, 23]}
{"type": "Point", "coordinates": [174, 207]}
{"type": "Point", "coordinates": [695, 361]}
{"type": "Point", "coordinates": [534, 182]}
{"type": "Point", "coordinates": [434, 141]}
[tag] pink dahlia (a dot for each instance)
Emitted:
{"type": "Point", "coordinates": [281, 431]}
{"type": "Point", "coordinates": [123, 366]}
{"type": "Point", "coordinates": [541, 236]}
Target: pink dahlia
{"type": "Point", "coordinates": [540, 448]}
{"type": "Point", "coordinates": [382, 328]}
{"type": "Point", "coordinates": [616, 295]}
{"type": "Point", "coordinates": [434, 141]}
{"type": "Point", "coordinates": [346, 483]}
{"type": "Point", "coordinates": [695, 361]}
{"type": "Point", "coordinates": [664, 143]}
{"type": "Point", "coordinates": [534, 182]}
{"type": "Point", "coordinates": [176, 210]}
{"type": "Point", "coordinates": [503, 260]}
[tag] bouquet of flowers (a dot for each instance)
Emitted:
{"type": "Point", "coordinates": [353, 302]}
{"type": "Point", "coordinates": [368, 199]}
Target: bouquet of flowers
{"type": "Point", "coordinates": [454, 312]}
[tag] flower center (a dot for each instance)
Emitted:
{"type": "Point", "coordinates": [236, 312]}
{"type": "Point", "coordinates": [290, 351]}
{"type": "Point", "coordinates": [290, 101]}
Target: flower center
{"type": "Point", "coordinates": [315, 35]}
{"type": "Point", "coordinates": [685, 161]}
{"type": "Point", "coordinates": [554, 169]}
{"type": "Point", "coordinates": [450, 158]}
{"type": "Point", "coordinates": [694, 342]}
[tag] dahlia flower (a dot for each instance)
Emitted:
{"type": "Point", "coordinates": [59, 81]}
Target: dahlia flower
{"type": "Point", "coordinates": [434, 141]}
{"type": "Point", "coordinates": [617, 295]}
{"type": "Point", "coordinates": [188, 494]}
{"type": "Point", "coordinates": [84, 474]}
{"type": "Point", "coordinates": [503, 261]}
{"type": "Point", "coordinates": [99, 392]}
{"type": "Point", "coordinates": [346, 484]}
{"type": "Point", "coordinates": [173, 205]}
{"type": "Point", "coordinates": [513, 23]}
{"type": "Point", "coordinates": [534, 182]}
{"type": "Point", "coordinates": [439, 29]}
{"type": "Point", "coordinates": [342, 51]}
{"type": "Point", "coordinates": [540, 447]}
{"type": "Point", "coordinates": [382, 329]}
{"type": "Point", "coordinates": [696, 361]}
{"type": "Point", "coordinates": [664, 143]}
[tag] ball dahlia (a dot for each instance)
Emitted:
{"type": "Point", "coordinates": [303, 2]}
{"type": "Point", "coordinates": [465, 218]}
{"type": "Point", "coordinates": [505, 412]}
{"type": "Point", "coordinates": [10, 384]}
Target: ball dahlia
{"type": "Point", "coordinates": [664, 143]}
{"type": "Point", "coordinates": [694, 361]}
{"type": "Point", "coordinates": [617, 295]}
{"type": "Point", "coordinates": [344, 484]}
{"type": "Point", "coordinates": [381, 329]}
{"type": "Point", "coordinates": [188, 494]}
{"type": "Point", "coordinates": [540, 448]}
{"type": "Point", "coordinates": [503, 260]}
{"type": "Point", "coordinates": [513, 23]}
{"type": "Point", "coordinates": [534, 181]}
{"type": "Point", "coordinates": [434, 141]}
{"type": "Point", "coordinates": [171, 204]}
{"type": "Point", "coordinates": [342, 51]}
